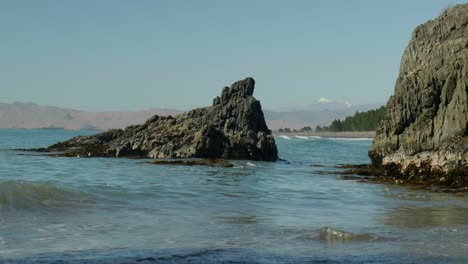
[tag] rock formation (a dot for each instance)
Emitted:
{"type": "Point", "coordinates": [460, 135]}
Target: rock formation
{"type": "Point", "coordinates": [425, 131]}
{"type": "Point", "coordinates": [232, 128]}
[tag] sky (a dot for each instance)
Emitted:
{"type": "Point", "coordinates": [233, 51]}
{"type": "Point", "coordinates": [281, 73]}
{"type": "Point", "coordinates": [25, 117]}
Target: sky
{"type": "Point", "coordinates": [133, 55]}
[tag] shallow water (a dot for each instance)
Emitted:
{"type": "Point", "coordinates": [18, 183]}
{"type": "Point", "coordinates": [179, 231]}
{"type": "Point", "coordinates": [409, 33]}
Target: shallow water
{"type": "Point", "coordinates": [122, 210]}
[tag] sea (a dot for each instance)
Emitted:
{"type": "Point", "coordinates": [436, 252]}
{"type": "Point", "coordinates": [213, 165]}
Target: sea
{"type": "Point", "coordinates": [118, 210]}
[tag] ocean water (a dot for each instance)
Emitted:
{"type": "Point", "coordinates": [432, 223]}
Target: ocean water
{"type": "Point", "coordinates": [102, 210]}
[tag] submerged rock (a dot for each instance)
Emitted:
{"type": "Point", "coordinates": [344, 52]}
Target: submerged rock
{"type": "Point", "coordinates": [232, 128]}
{"type": "Point", "coordinates": [425, 132]}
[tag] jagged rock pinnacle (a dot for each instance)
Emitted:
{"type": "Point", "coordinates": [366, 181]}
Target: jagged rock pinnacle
{"type": "Point", "coordinates": [232, 128]}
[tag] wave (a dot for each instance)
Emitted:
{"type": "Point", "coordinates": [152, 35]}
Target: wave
{"type": "Point", "coordinates": [22, 195]}
{"type": "Point", "coordinates": [351, 139]}
{"type": "Point", "coordinates": [300, 137]}
{"type": "Point", "coordinates": [315, 137]}
{"type": "Point", "coordinates": [331, 235]}
{"type": "Point", "coordinates": [328, 138]}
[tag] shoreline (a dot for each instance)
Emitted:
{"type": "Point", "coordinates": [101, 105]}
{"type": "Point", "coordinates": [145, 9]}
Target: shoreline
{"type": "Point", "coordinates": [347, 134]}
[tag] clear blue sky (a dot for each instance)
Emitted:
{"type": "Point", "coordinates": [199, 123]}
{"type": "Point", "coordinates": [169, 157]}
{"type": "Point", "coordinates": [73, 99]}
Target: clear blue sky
{"type": "Point", "coordinates": [129, 55]}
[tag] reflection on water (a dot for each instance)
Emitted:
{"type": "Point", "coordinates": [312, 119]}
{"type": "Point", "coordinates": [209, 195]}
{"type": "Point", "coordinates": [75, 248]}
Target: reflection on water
{"type": "Point", "coordinates": [415, 217]}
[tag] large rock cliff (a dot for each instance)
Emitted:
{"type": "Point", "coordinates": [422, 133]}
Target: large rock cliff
{"type": "Point", "coordinates": [425, 131]}
{"type": "Point", "coordinates": [232, 128]}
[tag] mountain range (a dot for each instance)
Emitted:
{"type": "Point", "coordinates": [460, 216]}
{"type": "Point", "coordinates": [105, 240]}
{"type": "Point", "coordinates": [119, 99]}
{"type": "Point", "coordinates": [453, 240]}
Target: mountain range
{"type": "Point", "coordinates": [31, 115]}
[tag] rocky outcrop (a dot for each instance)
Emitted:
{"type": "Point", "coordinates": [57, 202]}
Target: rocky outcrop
{"type": "Point", "coordinates": [425, 131]}
{"type": "Point", "coordinates": [232, 128]}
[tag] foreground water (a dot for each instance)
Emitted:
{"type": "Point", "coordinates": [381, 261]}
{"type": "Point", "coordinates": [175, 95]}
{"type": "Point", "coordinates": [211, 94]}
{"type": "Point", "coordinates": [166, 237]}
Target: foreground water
{"type": "Point", "coordinates": [121, 210]}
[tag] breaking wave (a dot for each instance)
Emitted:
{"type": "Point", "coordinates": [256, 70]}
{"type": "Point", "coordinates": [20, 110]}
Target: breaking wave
{"type": "Point", "coordinates": [327, 138]}
{"type": "Point", "coordinates": [315, 137]}
{"type": "Point", "coordinates": [22, 195]}
{"type": "Point", "coordinates": [352, 139]}
{"type": "Point", "coordinates": [331, 235]}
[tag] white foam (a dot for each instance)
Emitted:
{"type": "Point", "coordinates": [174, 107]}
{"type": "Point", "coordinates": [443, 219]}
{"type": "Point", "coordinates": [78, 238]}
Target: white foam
{"type": "Point", "coordinates": [315, 137]}
{"type": "Point", "coordinates": [352, 139]}
{"type": "Point", "coordinates": [285, 137]}
{"type": "Point", "coordinates": [303, 137]}
{"type": "Point", "coordinates": [251, 164]}
{"type": "Point", "coordinates": [332, 235]}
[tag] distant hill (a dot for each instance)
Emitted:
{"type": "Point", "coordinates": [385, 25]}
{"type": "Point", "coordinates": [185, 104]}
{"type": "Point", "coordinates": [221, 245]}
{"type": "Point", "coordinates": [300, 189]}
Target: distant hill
{"type": "Point", "coordinates": [30, 115]}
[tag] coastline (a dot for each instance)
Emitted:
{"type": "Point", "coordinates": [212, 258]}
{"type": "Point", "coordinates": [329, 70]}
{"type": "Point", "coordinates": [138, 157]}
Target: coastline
{"type": "Point", "coordinates": [347, 134]}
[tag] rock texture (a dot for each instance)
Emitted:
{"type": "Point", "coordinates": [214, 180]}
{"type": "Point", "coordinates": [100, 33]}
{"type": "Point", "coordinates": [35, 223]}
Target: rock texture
{"type": "Point", "coordinates": [232, 128]}
{"type": "Point", "coordinates": [425, 132]}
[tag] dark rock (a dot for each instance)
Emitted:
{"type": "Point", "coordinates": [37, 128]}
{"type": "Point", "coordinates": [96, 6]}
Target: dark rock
{"type": "Point", "coordinates": [424, 177]}
{"type": "Point", "coordinates": [233, 128]}
{"type": "Point", "coordinates": [424, 135]}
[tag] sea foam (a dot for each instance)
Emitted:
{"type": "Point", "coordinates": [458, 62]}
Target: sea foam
{"type": "Point", "coordinates": [351, 139]}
